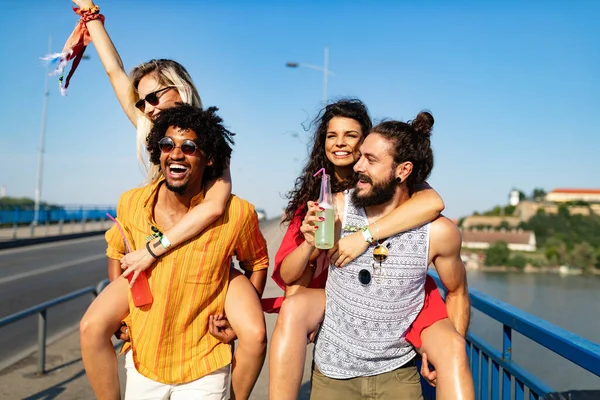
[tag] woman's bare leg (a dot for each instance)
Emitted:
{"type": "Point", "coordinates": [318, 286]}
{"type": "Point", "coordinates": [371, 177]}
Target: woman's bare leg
{"type": "Point", "coordinates": [446, 350]}
{"type": "Point", "coordinates": [101, 320]}
{"type": "Point", "coordinates": [245, 315]}
{"type": "Point", "coordinates": [300, 315]}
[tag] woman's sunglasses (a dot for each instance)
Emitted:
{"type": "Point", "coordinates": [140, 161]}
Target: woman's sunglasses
{"type": "Point", "coordinates": [380, 254]}
{"type": "Point", "coordinates": [151, 98]}
{"type": "Point", "coordinates": [188, 147]}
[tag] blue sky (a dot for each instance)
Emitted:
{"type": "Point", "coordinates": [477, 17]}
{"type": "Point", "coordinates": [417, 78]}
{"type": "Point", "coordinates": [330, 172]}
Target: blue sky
{"type": "Point", "coordinates": [513, 86]}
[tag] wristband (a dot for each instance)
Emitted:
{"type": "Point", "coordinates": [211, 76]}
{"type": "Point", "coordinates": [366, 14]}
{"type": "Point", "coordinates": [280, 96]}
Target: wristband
{"type": "Point", "coordinates": [150, 251]}
{"type": "Point", "coordinates": [164, 241]}
{"type": "Point", "coordinates": [367, 235]}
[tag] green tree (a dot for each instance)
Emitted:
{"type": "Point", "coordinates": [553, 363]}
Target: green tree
{"type": "Point", "coordinates": [583, 256]}
{"type": "Point", "coordinates": [563, 210]}
{"type": "Point", "coordinates": [556, 251]}
{"type": "Point", "coordinates": [538, 194]}
{"type": "Point", "coordinates": [509, 210]}
{"type": "Point", "coordinates": [504, 225]}
{"type": "Point", "coordinates": [518, 260]}
{"type": "Point", "coordinates": [497, 254]}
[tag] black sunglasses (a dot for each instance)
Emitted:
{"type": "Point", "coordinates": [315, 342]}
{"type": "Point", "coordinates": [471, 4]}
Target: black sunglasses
{"type": "Point", "coordinates": [151, 98]}
{"type": "Point", "coordinates": [188, 147]}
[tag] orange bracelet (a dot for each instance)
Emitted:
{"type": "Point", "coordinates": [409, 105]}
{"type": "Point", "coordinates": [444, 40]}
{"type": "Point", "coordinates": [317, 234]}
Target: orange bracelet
{"type": "Point", "coordinates": [88, 14]}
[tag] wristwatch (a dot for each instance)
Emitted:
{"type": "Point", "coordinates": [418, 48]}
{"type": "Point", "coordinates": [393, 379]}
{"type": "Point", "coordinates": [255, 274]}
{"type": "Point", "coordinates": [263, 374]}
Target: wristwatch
{"type": "Point", "coordinates": [165, 242]}
{"type": "Point", "coordinates": [367, 235]}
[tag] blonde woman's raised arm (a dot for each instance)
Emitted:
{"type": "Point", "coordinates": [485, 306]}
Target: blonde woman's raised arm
{"type": "Point", "coordinates": [111, 61]}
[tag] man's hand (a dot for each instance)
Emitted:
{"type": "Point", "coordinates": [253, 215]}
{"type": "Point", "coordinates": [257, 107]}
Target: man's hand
{"type": "Point", "coordinates": [219, 327]}
{"type": "Point", "coordinates": [123, 333]}
{"type": "Point", "coordinates": [347, 249]}
{"type": "Point", "coordinates": [429, 374]}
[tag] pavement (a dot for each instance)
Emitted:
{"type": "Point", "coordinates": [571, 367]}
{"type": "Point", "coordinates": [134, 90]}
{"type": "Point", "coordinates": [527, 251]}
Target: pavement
{"type": "Point", "coordinates": [65, 378]}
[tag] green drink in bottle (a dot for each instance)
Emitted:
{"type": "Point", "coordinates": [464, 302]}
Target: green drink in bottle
{"type": "Point", "coordinates": [324, 233]}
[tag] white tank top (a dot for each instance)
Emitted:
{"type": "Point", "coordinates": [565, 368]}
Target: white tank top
{"type": "Point", "coordinates": [363, 333]}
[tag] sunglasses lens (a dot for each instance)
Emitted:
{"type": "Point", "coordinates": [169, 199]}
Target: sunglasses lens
{"type": "Point", "coordinates": [188, 148]}
{"type": "Point", "coordinates": [364, 277]}
{"type": "Point", "coordinates": [140, 105]}
{"type": "Point", "coordinates": [152, 98]}
{"type": "Point", "coordinates": [166, 145]}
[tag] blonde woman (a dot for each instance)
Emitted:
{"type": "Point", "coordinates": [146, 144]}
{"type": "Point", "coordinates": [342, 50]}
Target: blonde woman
{"type": "Point", "coordinates": [152, 87]}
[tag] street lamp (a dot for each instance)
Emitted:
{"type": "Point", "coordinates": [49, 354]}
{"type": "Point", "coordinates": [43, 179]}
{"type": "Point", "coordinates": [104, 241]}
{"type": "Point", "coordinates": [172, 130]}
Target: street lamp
{"type": "Point", "coordinates": [323, 69]}
{"type": "Point", "coordinates": [38, 187]}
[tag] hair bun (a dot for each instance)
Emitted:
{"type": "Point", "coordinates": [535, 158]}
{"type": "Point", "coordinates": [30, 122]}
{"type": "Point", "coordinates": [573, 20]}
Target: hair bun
{"type": "Point", "coordinates": [423, 123]}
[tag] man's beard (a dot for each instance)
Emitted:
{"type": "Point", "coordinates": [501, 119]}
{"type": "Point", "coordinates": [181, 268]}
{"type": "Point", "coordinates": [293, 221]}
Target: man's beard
{"type": "Point", "coordinates": [380, 192]}
{"type": "Point", "coordinates": [177, 189]}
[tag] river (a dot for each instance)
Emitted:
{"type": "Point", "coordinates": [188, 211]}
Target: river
{"type": "Point", "coordinates": [570, 302]}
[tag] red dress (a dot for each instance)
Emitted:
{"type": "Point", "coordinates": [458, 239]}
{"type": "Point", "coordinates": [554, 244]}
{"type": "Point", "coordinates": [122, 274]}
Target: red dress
{"type": "Point", "coordinates": [434, 308]}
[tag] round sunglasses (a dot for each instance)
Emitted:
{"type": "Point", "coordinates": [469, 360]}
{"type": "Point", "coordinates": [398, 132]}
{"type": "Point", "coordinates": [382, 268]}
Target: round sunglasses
{"type": "Point", "coordinates": [151, 98]}
{"type": "Point", "coordinates": [188, 147]}
{"type": "Point", "coordinates": [380, 254]}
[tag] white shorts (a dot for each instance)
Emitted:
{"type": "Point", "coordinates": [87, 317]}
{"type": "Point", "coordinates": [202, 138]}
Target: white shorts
{"type": "Point", "coordinates": [210, 387]}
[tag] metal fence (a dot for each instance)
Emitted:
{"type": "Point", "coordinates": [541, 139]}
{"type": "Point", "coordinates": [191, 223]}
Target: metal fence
{"type": "Point", "coordinates": [50, 215]}
{"type": "Point", "coordinates": [41, 311]}
{"type": "Point", "coordinates": [495, 375]}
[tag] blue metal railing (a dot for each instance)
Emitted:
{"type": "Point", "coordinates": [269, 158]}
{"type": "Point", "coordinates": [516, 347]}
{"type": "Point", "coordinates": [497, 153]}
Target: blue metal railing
{"type": "Point", "coordinates": [493, 369]}
{"type": "Point", "coordinates": [41, 311]}
{"type": "Point", "coordinates": [25, 216]}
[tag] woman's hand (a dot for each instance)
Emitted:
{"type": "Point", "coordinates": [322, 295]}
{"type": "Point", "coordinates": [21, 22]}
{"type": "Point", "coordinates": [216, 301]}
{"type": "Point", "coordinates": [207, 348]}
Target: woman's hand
{"type": "Point", "coordinates": [309, 226]}
{"type": "Point", "coordinates": [84, 4]}
{"type": "Point", "coordinates": [347, 249]}
{"type": "Point", "coordinates": [428, 373]}
{"type": "Point", "coordinates": [218, 326]}
{"type": "Point", "coordinates": [136, 262]}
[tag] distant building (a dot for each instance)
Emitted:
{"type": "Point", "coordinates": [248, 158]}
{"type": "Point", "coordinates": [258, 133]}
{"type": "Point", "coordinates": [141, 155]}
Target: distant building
{"type": "Point", "coordinates": [514, 197]}
{"type": "Point", "coordinates": [517, 239]}
{"type": "Point", "coordinates": [477, 221]}
{"type": "Point", "coordinates": [566, 195]}
{"type": "Point", "coordinates": [2, 192]}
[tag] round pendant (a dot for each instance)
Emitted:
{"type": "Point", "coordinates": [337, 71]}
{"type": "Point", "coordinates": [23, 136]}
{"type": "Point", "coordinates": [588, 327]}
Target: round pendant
{"type": "Point", "coordinates": [364, 277]}
{"type": "Point", "coordinates": [380, 253]}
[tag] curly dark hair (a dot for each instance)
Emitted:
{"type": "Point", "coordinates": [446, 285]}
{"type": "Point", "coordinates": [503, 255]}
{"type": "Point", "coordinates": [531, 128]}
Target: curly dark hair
{"type": "Point", "coordinates": [211, 136]}
{"type": "Point", "coordinates": [412, 142]}
{"type": "Point", "coordinates": [307, 187]}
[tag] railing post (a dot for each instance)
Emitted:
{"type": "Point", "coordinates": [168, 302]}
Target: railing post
{"type": "Point", "coordinates": [41, 368]}
{"type": "Point", "coordinates": [100, 287]}
{"type": "Point", "coordinates": [61, 221]}
{"type": "Point", "coordinates": [506, 356]}
{"type": "Point", "coordinates": [15, 222]}
{"type": "Point", "coordinates": [82, 219]}
{"type": "Point", "coordinates": [48, 215]}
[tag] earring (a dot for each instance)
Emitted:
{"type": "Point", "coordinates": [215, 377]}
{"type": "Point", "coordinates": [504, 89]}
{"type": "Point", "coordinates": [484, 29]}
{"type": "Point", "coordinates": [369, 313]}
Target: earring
{"type": "Point", "coordinates": [398, 179]}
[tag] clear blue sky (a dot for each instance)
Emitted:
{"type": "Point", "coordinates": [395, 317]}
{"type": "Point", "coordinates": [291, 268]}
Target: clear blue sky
{"type": "Point", "coordinates": [514, 88]}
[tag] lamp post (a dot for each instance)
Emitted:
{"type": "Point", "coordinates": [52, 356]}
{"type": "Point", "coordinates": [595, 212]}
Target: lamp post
{"type": "Point", "coordinates": [324, 69]}
{"type": "Point", "coordinates": [38, 187]}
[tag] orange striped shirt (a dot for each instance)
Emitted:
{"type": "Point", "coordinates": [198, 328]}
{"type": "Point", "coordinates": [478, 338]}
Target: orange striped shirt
{"type": "Point", "coordinates": [170, 338]}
